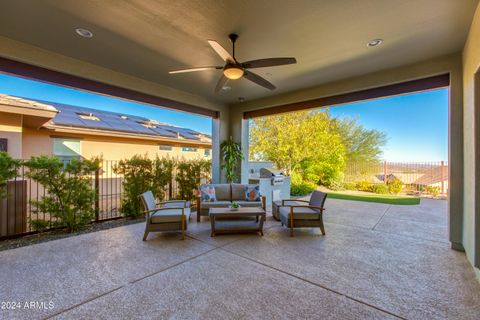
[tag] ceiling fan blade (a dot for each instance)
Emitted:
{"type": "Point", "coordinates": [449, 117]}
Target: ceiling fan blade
{"type": "Point", "coordinates": [270, 62]}
{"type": "Point", "coordinates": [258, 80]}
{"type": "Point", "coordinates": [221, 51]}
{"type": "Point", "coordinates": [220, 84]}
{"type": "Point", "coordinates": [195, 69]}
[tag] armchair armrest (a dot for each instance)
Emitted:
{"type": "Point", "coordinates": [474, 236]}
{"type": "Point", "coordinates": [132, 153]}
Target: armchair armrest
{"type": "Point", "coordinates": [311, 207]}
{"type": "Point", "coordinates": [148, 212]}
{"type": "Point", "coordinates": [174, 201]}
{"type": "Point", "coordinates": [293, 200]}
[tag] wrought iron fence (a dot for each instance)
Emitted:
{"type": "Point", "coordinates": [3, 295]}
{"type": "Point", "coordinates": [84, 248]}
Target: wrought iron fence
{"type": "Point", "coordinates": [17, 210]}
{"type": "Point", "coordinates": [416, 177]}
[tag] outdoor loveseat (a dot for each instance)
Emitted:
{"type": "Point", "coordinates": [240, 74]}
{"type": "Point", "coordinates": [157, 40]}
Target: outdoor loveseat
{"type": "Point", "coordinates": [222, 195]}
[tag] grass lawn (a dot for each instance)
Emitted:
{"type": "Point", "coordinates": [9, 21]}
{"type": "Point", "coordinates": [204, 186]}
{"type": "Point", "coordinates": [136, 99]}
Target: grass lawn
{"type": "Point", "coordinates": [380, 198]}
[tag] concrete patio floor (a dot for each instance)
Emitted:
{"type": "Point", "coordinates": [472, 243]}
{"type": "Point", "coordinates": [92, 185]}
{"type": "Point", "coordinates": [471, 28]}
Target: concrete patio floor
{"type": "Point", "coordinates": [376, 262]}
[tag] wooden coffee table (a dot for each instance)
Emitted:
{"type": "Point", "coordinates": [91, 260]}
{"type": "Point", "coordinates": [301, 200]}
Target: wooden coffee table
{"type": "Point", "coordinates": [230, 221]}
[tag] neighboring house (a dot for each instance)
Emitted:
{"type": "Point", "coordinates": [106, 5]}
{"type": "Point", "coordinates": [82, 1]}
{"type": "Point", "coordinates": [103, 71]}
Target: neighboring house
{"type": "Point", "coordinates": [30, 128]}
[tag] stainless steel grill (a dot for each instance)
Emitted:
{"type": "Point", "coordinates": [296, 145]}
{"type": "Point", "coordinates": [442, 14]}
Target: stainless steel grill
{"type": "Point", "coordinates": [276, 176]}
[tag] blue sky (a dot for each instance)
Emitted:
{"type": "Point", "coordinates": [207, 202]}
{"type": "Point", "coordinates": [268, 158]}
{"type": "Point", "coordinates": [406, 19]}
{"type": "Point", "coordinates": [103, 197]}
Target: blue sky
{"type": "Point", "coordinates": [416, 124]}
{"type": "Point", "coordinates": [36, 90]}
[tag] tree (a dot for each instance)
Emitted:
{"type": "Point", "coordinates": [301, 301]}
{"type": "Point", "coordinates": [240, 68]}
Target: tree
{"type": "Point", "coordinates": [361, 144]}
{"type": "Point", "coordinates": [306, 142]}
{"type": "Point", "coordinates": [311, 146]}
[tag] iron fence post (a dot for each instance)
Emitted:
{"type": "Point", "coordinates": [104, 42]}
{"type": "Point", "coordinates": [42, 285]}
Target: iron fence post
{"type": "Point", "coordinates": [97, 195]}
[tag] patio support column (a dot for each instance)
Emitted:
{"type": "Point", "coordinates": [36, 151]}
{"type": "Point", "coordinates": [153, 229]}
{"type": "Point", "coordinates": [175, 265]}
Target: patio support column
{"type": "Point", "coordinates": [216, 151]}
{"type": "Point", "coordinates": [245, 144]}
{"type": "Point", "coordinates": [455, 161]}
{"type": "Point", "coordinates": [220, 132]}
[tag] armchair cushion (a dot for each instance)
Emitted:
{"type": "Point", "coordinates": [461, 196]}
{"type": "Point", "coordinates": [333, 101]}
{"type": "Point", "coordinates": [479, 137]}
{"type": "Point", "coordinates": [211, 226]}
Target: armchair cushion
{"type": "Point", "coordinates": [298, 213]}
{"type": "Point", "coordinates": [222, 192]}
{"type": "Point", "coordinates": [148, 200]}
{"type": "Point", "coordinates": [207, 193]}
{"type": "Point", "coordinates": [173, 215]}
{"type": "Point", "coordinates": [252, 193]}
{"type": "Point", "coordinates": [318, 198]}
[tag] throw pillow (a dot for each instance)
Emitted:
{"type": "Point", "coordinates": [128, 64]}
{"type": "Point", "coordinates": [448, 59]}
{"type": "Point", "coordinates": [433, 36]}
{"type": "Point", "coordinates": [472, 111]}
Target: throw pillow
{"type": "Point", "coordinates": [252, 193]}
{"type": "Point", "coordinates": [207, 193]}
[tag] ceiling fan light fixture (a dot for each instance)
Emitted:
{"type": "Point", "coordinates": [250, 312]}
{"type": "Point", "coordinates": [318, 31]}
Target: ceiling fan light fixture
{"type": "Point", "coordinates": [233, 73]}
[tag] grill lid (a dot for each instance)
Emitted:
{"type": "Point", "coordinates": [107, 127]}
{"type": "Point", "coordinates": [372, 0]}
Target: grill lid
{"type": "Point", "coordinates": [270, 173]}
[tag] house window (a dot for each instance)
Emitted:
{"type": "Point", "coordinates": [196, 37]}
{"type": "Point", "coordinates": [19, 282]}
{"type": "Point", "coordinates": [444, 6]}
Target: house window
{"type": "Point", "coordinates": [207, 153]}
{"type": "Point", "coordinates": [3, 144]}
{"type": "Point", "coordinates": [66, 149]}
{"type": "Point", "coordinates": [165, 147]}
{"type": "Point", "coordinates": [189, 149]}
{"type": "Point", "coordinates": [88, 116]}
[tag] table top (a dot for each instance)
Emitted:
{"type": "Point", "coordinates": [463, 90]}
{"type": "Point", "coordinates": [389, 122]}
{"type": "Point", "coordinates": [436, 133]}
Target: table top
{"type": "Point", "coordinates": [240, 211]}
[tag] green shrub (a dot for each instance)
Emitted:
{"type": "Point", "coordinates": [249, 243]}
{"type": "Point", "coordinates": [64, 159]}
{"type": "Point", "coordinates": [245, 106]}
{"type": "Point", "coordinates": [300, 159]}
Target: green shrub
{"type": "Point", "coordinates": [8, 170]}
{"type": "Point", "coordinates": [433, 190]}
{"type": "Point", "coordinates": [141, 174]}
{"type": "Point", "coordinates": [350, 186]}
{"type": "Point", "coordinates": [380, 188]}
{"type": "Point", "coordinates": [162, 174]}
{"type": "Point", "coordinates": [336, 186]}
{"type": "Point", "coordinates": [39, 225]}
{"type": "Point", "coordinates": [364, 186]}
{"type": "Point", "coordinates": [69, 195]}
{"type": "Point", "coordinates": [395, 186]}
{"type": "Point", "coordinates": [302, 189]}
{"type": "Point", "coordinates": [190, 173]}
{"type": "Point", "coordinates": [137, 178]}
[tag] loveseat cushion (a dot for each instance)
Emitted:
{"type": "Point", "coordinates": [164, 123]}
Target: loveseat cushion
{"type": "Point", "coordinates": [251, 204]}
{"type": "Point", "coordinates": [298, 213]}
{"type": "Point", "coordinates": [252, 193]}
{"type": "Point", "coordinates": [222, 192]}
{"type": "Point", "coordinates": [238, 191]}
{"type": "Point", "coordinates": [216, 204]}
{"type": "Point", "coordinates": [207, 193]}
{"type": "Point", "coordinates": [173, 215]}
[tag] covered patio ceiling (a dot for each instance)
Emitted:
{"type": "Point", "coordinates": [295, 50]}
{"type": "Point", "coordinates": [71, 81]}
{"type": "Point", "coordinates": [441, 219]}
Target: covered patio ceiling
{"type": "Point", "coordinates": [147, 38]}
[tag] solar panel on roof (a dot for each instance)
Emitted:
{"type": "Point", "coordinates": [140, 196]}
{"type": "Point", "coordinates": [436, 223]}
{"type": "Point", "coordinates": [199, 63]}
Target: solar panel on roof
{"type": "Point", "coordinates": [164, 133]}
{"type": "Point", "coordinates": [69, 116]}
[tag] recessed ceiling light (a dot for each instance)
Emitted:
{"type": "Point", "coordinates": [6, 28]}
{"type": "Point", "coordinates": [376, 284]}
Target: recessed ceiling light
{"type": "Point", "coordinates": [374, 42]}
{"type": "Point", "coordinates": [84, 32]}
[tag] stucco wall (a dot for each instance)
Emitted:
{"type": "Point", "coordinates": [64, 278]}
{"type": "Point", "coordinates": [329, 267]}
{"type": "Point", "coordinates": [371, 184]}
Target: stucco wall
{"type": "Point", "coordinates": [37, 142]}
{"type": "Point", "coordinates": [471, 65]}
{"type": "Point", "coordinates": [11, 129]}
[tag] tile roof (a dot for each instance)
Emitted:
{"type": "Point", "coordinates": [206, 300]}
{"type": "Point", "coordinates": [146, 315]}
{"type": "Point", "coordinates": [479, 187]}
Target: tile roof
{"type": "Point", "coordinates": [25, 103]}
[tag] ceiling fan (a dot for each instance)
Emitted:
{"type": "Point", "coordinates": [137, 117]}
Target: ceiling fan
{"type": "Point", "coordinates": [233, 70]}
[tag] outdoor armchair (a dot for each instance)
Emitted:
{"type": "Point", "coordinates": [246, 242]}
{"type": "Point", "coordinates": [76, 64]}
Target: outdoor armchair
{"type": "Point", "coordinates": [309, 215]}
{"type": "Point", "coordinates": [170, 215]}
